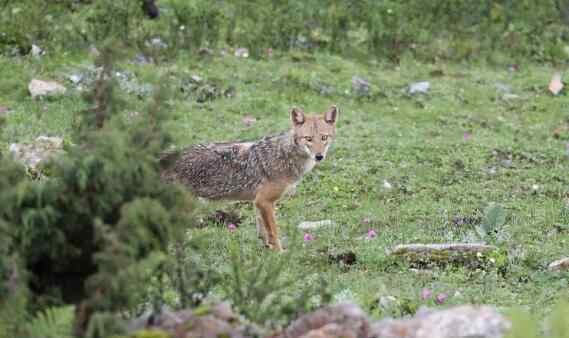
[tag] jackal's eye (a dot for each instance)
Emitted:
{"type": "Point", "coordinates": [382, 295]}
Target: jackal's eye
{"type": "Point", "coordinates": [324, 137]}
{"type": "Point", "coordinates": [308, 138]}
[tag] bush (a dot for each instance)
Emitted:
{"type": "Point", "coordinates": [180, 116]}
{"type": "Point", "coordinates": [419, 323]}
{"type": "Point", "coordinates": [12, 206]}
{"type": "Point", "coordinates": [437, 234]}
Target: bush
{"type": "Point", "coordinates": [94, 232]}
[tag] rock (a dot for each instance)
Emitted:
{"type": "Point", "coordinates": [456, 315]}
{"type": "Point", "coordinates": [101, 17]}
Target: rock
{"type": "Point", "coordinates": [207, 321]}
{"type": "Point", "coordinates": [441, 253]}
{"type": "Point", "coordinates": [332, 330]}
{"type": "Point", "coordinates": [421, 87]}
{"type": "Point", "coordinates": [503, 88]}
{"type": "Point", "coordinates": [39, 88]}
{"type": "Point", "coordinates": [196, 79]}
{"type": "Point", "coordinates": [156, 43]}
{"type": "Point", "coordinates": [315, 225]}
{"type": "Point", "coordinates": [141, 59]}
{"type": "Point", "coordinates": [457, 322]}
{"type": "Point", "coordinates": [37, 51]}
{"type": "Point", "coordinates": [76, 78]}
{"type": "Point", "coordinates": [559, 265]}
{"type": "Point", "coordinates": [94, 52]}
{"type": "Point", "coordinates": [386, 302]}
{"type": "Point", "coordinates": [360, 86]}
{"type": "Point", "coordinates": [332, 321]}
{"type": "Point", "coordinates": [32, 155]}
{"type": "Point", "coordinates": [242, 52]}
{"type": "Point", "coordinates": [248, 120]}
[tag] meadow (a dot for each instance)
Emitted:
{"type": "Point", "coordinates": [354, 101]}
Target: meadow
{"type": "Point", "coordinates": [411, 168]}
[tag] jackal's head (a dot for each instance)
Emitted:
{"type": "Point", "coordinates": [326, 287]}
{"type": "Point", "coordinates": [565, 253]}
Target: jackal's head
{"type": "Point", "coordinates": [314, 133]}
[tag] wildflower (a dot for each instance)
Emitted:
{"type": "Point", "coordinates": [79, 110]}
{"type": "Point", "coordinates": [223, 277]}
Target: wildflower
{"type": "Point", "coordinates": [426, 294]}
{"type": "Point", "coordinates": [467, 136]}
{"type": "Point", "coordinates": [441, 298]}
{"type": "Point", "coordinates": [308, 237]}
{"type": "Point", "coordinates": [231, 227]}
{"type": "Point", "coordinates": [371, 234]}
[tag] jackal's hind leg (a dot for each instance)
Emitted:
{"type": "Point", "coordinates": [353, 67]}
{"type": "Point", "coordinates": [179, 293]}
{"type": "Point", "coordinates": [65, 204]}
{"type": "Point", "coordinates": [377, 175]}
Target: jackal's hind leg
{"type": "Point", "coordinates": [261, 229]}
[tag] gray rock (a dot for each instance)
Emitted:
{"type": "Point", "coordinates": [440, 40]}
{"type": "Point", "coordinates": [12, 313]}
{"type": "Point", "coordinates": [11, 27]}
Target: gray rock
{"type": "Point", "coordinates": [33, 154]}
{"type": "Point", "coordinates": [503, 88]}
{"type": "Point", "coordinates": [386, 302]}
{"type": "Point", "coordinates": [464, 321]}
{"type": "Point", "coordinates": [242, 52]}
{"type": "Point", "coordinates": [360, 86]}
{"type": "Point", "coordinates": [421, 87]}
{"type": "Point", "coordinates": [40, 88]}
{"type": "Point", "coordinates": [559, 265]}
{"type": "Point", "coordinates": [156, 43]}
{"type": "Point", "coordinates": [315, 225]}
{"type": "Point", "coordinates": [37, 51]}
{"type": "Point", "coordinates": [76, 78]}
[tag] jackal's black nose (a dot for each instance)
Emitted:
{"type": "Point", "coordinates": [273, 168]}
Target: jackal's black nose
{"type": "Point", "coordinates": [319, 157]}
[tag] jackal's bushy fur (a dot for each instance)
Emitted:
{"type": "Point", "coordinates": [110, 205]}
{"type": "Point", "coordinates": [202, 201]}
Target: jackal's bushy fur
{"type": "Point", "coordinates": [260, 171]}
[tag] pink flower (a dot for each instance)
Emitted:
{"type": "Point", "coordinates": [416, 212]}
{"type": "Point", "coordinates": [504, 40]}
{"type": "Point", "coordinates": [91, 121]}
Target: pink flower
{"type": "Point", "coordinates": [308, 237]}
{"type": "Point", "coordinates": [232, 227]}
{"type": "Point", "coordinates": [441, 298]}
{"type": "Point", "coordinates": [467, 136]}
{"type": "Point", "coordinates": [371, 234]}
{"type": "Point", "coordinates": [426, 294]}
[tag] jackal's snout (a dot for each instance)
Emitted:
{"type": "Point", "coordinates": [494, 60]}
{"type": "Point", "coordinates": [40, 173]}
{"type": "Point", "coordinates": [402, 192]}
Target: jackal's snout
{"type": "Point", "coordinates": [318, 157]}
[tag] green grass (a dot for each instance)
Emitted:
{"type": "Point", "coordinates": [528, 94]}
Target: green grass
{"type": "Point", "coordinates": [414, 142]}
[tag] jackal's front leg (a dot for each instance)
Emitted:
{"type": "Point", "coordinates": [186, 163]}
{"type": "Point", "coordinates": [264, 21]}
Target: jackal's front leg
{"type": "Point", "coordinates": [266, 209]}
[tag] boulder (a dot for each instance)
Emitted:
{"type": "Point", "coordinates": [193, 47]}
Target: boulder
{"type": "Point", "coordinates": [457, 322]}
{"type": "Point", "coordinates": [40, 88]}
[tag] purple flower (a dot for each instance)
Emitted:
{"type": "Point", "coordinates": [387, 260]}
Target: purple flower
{"type": "Point", "coordinates": [371, 234]}
{"type": "Point", "coordinates": [426, 294]}
{"type": "Point", "coordinates": [441, 298]}
{"type": "Point", "coordinates": [467, 136]}
{"type": "Point", "coordinates": [232, 227]}
{"type": "Point", "coordinates": [308, 237]}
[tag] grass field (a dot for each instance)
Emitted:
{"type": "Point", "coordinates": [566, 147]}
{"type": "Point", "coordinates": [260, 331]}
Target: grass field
{"type": "Point", "coordinates": [418, 168]}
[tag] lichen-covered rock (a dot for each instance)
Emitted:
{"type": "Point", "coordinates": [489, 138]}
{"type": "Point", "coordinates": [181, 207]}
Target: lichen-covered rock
{"type": "Point", "coordinates": [333, 321]}
{"type": "Point", "coordinates": [457, 322]}
{"type": "Point", "coordinates": [33, 154]}
{"type": "Point", "coordinates": [442, 253]}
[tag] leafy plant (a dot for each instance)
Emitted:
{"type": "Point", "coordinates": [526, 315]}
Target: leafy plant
{"type": "Point", "coordinates": [53, 322]}
{"type": "Point", "coordinates": [260, 289]}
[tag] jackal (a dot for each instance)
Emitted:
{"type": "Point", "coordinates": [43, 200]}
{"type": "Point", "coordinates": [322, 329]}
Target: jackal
{"type": "Point", "coordinates": [260, 171]}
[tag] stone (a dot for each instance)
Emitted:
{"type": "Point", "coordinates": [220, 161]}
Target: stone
{"type": "Point", "coordinates": [360, 86]}
{"type": "Point", "coordinates": [242, 52]}
{"type": "Point", "coordinates": [315, 225]}
{"type": "Point", "coordinates": [248, 120]}
{"type": "Point", "coordinates": [37, 51]}
{"type": "Point", "coordinates": [332, 321]}
{"type": "Point", "coordinates": [463, 321]}
{"type": "Point", "coordinates": [559, 265]}
{"type": "Point", "coordinates": [40, 88]}
{"type": "Point", "coordinates": [33, 154]}
{"type": "Point", "coordinates": [421, 87]}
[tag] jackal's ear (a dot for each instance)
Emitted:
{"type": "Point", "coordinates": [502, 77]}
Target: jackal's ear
{"type": "Point", "coordinates": [331, 115]}
{"type": "Point", "coordinates": [297, 116]}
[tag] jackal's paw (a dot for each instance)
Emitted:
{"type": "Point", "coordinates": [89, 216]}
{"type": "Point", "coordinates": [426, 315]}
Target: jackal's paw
{"type": "Point", "coordinates": [275, 246]}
